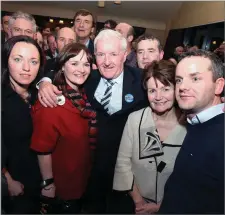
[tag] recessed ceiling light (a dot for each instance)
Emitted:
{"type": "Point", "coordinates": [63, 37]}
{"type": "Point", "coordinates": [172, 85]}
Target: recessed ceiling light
{"type": "Point", "coordinates": [101, 4]}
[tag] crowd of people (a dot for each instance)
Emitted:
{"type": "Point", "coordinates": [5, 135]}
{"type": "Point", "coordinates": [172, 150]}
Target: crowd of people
{"type": "Point", "coordinates": [95, 124]}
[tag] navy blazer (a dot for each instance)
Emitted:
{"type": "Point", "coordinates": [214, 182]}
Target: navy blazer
{"type": "Point", "coordinates": [91, 47]}
{"type": "Point", "coordinates": [111, 129]}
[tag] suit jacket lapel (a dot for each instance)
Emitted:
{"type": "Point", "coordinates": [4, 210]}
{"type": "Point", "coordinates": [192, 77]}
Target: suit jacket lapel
{"type": "Point", "coordinates": [132, 93]}
{"type": "Point", "coordinates": [91, 47]}
{"type": "Point", "coordinates": [92, 84]}
{"type": "Point", "coordinates": [127, 94]}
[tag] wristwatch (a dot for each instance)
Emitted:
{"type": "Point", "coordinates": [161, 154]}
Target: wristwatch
{"type": "Point", "coordinates": [47, 182]}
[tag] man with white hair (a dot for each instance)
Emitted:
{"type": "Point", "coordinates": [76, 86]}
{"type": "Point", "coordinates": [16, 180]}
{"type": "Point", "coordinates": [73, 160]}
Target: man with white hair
{"type": "Point", "coordinates": [114, 91]}
{"type": "Point", "coordinates": [21, 23]}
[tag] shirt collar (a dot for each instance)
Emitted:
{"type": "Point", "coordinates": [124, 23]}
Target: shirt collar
{"type": "Point", "coordinates": [87, 43]}
{"type": "Point", "coordinates": [117, 80]}
{"type": "Point", "coordinates": [207, 114]}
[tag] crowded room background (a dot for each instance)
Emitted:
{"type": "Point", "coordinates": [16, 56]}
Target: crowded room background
{"type": "Point", "coordinates": [112, 107]}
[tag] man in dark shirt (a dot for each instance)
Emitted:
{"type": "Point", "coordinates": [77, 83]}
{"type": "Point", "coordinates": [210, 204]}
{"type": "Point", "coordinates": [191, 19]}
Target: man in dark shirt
{"type": "Point", "coordinates": [64, 37]}
{"type": "Point", "coordinates": [196, 185]}
{"type": "Point", "coordinates": [52, 52]}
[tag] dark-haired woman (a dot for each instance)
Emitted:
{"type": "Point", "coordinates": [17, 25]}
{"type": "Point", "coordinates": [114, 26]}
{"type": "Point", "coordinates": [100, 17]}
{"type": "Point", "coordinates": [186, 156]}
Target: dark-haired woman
{"type": "Point", "coordinates": [66, 133]}
{"type": "Point", "coordinates": [151, 141]}
{"type": "Point", "coordinates": [22, 65]}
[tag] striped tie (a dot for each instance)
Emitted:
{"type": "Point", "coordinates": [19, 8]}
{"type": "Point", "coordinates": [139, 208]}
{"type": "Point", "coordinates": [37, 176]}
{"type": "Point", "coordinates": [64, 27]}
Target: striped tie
{"type": "Point", "coordinates": [107, 95]}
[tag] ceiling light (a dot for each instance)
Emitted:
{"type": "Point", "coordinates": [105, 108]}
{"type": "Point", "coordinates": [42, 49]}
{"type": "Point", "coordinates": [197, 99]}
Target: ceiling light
{"type": "Point", "coordinates": [51, 20]}
{"type": "Point", "coordinates": [214, 42]}
{"type": "Point", "coordinates": [101, 4]}
{"type": "Point", "coordinates": [117, 2]}
{"type": "Point", "coordinates": [61, 22]}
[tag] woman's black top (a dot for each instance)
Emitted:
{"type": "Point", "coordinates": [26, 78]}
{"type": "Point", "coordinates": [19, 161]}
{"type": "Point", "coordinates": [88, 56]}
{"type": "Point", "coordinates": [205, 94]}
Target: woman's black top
{"type": "Point", "coordinates": [21, 161]}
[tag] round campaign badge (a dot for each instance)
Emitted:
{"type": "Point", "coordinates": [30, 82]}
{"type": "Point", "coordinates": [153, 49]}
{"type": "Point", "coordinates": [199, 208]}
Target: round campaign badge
{"type": "Point", "coordinates": [129, 98]}
{"type": "Point", "coordinates": [61, 100]}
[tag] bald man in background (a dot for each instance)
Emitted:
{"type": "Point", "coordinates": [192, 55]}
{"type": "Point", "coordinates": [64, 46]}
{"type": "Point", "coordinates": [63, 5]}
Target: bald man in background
{"type": "Point", "coordinates": [128, 32]}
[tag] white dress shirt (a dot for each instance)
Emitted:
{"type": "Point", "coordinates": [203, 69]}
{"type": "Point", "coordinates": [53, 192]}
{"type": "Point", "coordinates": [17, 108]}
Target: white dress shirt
{"type": "Point", "coordinates": [115, 103]}
{"type": "Point", "coordinates": [207, 114]}
{"type": "Point", "coordinates": [87, 43]}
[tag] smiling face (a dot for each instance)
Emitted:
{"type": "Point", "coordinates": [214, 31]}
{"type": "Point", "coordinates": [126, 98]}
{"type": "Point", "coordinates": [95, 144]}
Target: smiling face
{"type": "Point", "coordinates": [23, 63]}
{"type": "Point", "coordinates": [77, 70]}
{"type": "Point", "coordinates": [110, 57]}
{"type": "Point", "coordinates": [160, 97]}
{"type": "Point", "coordinates": [195, 88]}
{"type": "Point", "coordinates": [147, 52]}
{"type": "Point", "coordinates": [83, 26]}
{"type": "Point", "coordinates": [21, 27]}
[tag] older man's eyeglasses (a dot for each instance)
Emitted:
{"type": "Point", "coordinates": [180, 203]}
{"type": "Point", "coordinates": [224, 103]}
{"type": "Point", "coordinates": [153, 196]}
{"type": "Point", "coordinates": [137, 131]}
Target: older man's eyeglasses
{"type": "Point", "coordinates": [20, 31]}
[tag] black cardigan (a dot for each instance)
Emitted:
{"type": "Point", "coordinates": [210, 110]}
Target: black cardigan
{"type": "Point", "coordinates": [20, 161]}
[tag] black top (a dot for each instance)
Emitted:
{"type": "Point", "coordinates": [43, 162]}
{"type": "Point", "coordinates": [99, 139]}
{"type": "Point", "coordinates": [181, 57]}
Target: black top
{"type": "Point", "coordinates": [49, 54]}
{"type": "Point", "coordinates": [50, 68]}
{"type": "Point", "coordinates": [21, 161]}
{"type": "Point", "coordinates": [197, 182]}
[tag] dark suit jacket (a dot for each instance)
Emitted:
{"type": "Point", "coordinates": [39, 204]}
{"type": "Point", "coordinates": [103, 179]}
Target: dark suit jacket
{"type": "Point", "coordinates": [111, 129]}
{"type": "Point", "coordinates": [50, 68]}
{"type": "Point", "coordinates": [49, 54]}
{"type": "Point", "coordinates": [91, 47]}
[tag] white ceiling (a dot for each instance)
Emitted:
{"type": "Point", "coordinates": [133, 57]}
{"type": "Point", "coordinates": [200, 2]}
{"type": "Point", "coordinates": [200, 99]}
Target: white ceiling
{"type": "Point", "coordinates": [161, 11]}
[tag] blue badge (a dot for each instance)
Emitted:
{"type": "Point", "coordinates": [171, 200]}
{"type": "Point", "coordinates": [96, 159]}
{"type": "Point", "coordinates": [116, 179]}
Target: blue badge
{"type": "Point", "coordinates": [129, 98]}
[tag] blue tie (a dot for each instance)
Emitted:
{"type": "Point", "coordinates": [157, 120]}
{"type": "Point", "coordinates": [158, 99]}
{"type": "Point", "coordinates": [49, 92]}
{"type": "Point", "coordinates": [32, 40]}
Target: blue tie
{"type": "Point", "coordinates": [107, 95]}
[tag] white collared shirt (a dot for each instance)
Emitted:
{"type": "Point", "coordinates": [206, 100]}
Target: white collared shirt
{"type": "Point", "coordinates": [87, 43]}
{"type": "Point", "coordinates": [115, 103]}
{"type": "Point", "coordinates": [207, 114]}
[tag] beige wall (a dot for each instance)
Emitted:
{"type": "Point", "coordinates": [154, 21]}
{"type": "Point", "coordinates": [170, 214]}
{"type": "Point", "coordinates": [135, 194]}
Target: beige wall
{"type": "Point", "coordinates": [69, 13]}
{"type": "Point", "coordinates": [160, 34]}
{"type": "Point", "coordinates": [198, 13]}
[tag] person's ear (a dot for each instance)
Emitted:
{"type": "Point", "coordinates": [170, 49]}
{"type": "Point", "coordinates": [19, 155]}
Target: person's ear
{"type": "Point", "coordinates": [219, 86]}
{"type": "Point", "coordinates": [130, 38]}
{"type": "Point", "coordinates": [161, 54]}
{"type": "Point", "coordinates": [125, 56]}
{"type": "Point", "coordinates": [35, 36]}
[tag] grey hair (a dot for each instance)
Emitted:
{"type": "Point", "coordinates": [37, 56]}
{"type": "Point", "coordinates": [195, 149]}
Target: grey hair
{"type": "Point", "coordinates": [22, 15]}
{"type": "Point", "coordinates": [109, 34]}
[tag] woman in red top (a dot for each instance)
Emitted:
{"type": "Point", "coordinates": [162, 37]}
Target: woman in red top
{"type": "Point", "coordinates": [65, 135]}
